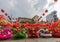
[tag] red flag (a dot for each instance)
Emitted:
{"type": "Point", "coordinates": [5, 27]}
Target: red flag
{"type": "Point", "coordinates": [46, 11]}
{"type": "Point", "coordinates": [2, 10]}
{"type": "Point", "coordinates": [6, 14]}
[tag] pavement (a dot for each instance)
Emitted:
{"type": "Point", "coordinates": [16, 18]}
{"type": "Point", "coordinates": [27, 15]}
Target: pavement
{"type": "Point", "coordinates": [34, 40]}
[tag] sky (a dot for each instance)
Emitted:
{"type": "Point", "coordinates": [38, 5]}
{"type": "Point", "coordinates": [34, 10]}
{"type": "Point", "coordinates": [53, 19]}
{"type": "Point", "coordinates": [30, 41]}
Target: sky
{"type": "Point", "coordinates": [28, 8]}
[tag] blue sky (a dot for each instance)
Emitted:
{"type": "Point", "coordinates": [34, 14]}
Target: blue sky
{"type": "Point", "coordinates": [28, 8]}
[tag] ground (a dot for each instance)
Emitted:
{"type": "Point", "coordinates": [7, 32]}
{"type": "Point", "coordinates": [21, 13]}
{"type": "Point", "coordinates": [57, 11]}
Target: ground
{"type": "Point", "coordinates": [35, 40]}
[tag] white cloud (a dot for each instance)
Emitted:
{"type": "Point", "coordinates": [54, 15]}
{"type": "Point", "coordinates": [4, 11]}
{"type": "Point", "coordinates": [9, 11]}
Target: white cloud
{"type": "Point", "coordinates": [57, 7]}
{"type": "Point", "coordinates": [26, 8]}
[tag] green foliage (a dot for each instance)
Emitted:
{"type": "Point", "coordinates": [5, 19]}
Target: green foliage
{"type": "Point", "coordinates": [21, 35]}
{"type": "Point", "coordinates": [1, 27]}
{"type": "Point", "coordinates": [14, 30]}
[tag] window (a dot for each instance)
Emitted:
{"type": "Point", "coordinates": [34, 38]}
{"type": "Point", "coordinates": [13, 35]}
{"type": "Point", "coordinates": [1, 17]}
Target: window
{"type": "Point", "coordinates": [55, 16]}
{"type": "Point", "coordinates": [55, 19]}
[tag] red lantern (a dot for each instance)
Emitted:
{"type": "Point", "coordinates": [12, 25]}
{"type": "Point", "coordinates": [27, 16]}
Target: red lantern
{"type": "Point", "coordinates": [55, 0]}
{"type": "Point", "coordinates": [9, 17]}
{"type": "Point", "coordinates": [6, 14]}
{"type": "Point", "coordinates": [2, 10]}
{"type": "Point", "coordinates": [46, 11]}
{"type": "Point", "coordinates": [40, 17]}
{"type": "Point", "coordinates": [43, 14]}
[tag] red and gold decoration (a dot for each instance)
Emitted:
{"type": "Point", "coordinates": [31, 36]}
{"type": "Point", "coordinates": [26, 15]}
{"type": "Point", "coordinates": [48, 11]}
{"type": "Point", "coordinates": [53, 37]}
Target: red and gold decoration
{"type": "Point", "coordinates": [17, 30]}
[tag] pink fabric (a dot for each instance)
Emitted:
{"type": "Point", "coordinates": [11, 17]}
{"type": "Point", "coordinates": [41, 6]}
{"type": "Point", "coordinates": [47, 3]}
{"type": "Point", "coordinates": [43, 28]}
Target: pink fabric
{"type": "Point", "coordinates": [7, 34]}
